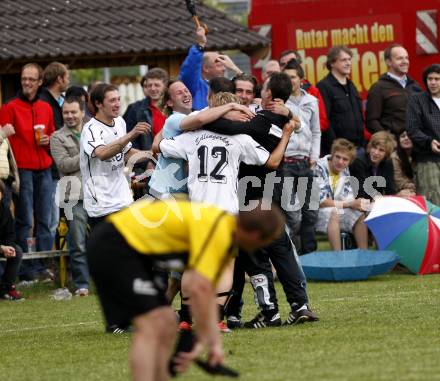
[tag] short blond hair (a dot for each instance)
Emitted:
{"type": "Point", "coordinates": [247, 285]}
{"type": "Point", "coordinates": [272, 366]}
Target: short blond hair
{"type": "Point", "coordinates": [223, 98]}
{"type": "Point", "coordinates": [344, 145]}
{"type": "Point", "coordinates": [384, 140]}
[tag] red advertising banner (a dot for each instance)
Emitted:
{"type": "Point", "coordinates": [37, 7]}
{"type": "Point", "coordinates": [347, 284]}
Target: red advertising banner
{"type": "Point", "coordinates": [366, 36]}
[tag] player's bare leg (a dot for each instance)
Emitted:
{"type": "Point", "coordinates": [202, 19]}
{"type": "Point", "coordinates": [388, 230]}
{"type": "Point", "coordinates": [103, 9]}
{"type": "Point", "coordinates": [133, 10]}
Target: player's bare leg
{"type": "Point", "coordinates": [152, 344]}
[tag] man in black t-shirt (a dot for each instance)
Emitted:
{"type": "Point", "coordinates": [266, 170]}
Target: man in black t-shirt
{"type": "Point", "coordinates": [266, 129]}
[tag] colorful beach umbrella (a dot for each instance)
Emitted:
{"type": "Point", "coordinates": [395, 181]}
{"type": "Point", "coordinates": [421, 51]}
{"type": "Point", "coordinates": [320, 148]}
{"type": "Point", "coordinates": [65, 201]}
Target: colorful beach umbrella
{"type": "Point", "coordinates": [347, 265]}
{"type": "Point", "coordinates": [411, 227]}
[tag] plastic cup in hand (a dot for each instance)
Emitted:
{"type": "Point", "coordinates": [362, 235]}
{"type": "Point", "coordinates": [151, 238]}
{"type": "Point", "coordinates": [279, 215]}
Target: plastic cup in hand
{"type": "Point", "coordinates": [38, 130]}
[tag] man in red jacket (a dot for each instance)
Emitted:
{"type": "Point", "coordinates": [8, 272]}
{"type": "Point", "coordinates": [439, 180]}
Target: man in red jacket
{"type": "Point", "coordinates": [33, 123]}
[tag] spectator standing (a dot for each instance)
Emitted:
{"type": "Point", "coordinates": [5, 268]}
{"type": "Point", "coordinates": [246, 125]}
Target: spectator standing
{"type": "Point", "coordinates": [423, 125]}
{"type": "Point", "coordinates": [56, 79]}
{"type": "Point", "coordinates": [342, 101]}
{"type": "Point", "coordinates": [199, 67]}
{"type": "Point", "coordinates": [33, 122]}
{"type": "Point", "coordinates": [8, 166]}
{"type": "Point", "coordinates": [388, 97]}
{"type": "Point", "coordinates": [339, 209]}
{"type": "Point", "coordinates": [271, 66]}
{"type": "Point", "coordinates": [404, 166]}
{"type": "Point", "coordinates": [288, 55]}
{"type": "Point", "coordinates": [146, 110]}
{"type": "Point", "coordinates": [8, 250]}
{"type": "Point", "coordinates": [300, 158]}
{"type": "Point", "coordinates": [81, 93]}
{"type": "Point", "coordinates": [64, 146]}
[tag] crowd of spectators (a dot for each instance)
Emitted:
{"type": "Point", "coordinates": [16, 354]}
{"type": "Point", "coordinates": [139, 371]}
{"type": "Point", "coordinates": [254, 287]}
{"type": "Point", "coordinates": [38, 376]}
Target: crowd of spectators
{"type": "Point", "coordinates": [51, 133]}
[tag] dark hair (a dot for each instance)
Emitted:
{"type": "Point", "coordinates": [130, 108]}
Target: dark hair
{"type": "Point", "coordinates": [267, 221]}
{"type": "Point", "coordinates": [387, 52]}
{"type": "Point", "coordinates": [77, 91]}
{"type": "Point", "coordinates": [221, 84]}
{"type": "Point", "coordinates": [293, 64]}
{"type": "Point", "coordinates": [246, 77]}
{"type": "Point", "coordinates": [290, 51]}
{"type": "Point", "coordinates": [333, 54]}
{"type": "Point", "coordinates": [36, 66]}
{"type": "Point", "coordinates": [52, 72]}
{"type": "Point", "coordinates": [434, 68]}
{"type": "Point", "coordinates": [280, 86]}
{"type": "Point", "coordinates": [98, 93]}
{"type": "Point", "coordinates": [167, 110]}
{"type": "Point", "coordinates": [73, 99]}
{"type": "Point", "coordinates": [155, 73]}
{"type": "Point", "coordinates": [405, 163]}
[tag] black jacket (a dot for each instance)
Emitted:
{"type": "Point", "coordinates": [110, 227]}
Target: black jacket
{"type": "Point", "coordinates": [266, 129]}
{"type": "Point", "coordinates": [140, 112]}
{"type": "Point", "coordinates": [362, 169]}
{"type": "Point", "coordinates": [344, 112]}
{"type": "Point", "coordinates": [7, 227]}
{"type": "Point", "coordinates": [386, 104]}
{"type": "Point", "coordinates": [57, 110]}
{"type": "Point", "coordinates": [423, 126]}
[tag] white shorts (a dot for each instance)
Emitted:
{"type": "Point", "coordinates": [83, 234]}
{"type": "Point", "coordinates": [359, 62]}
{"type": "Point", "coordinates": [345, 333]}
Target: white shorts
{"type": "Point", "coordinates": [347, 219]}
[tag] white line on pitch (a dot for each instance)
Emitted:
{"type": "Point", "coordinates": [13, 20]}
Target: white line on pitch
{"type": "Point", "coordinates": [50, 326]}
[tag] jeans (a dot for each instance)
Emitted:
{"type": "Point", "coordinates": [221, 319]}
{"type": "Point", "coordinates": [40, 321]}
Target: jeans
{"type": "Point", "coordinates": [7, 197]}
{"type": "Point", "coordinates": [77, 237]}
{"type": "Point", "coordinates": [34, 205]}
{"type": "Point", "coordinates": [301, 222]}
{"type": "Point", "coordinates": [55, 212]}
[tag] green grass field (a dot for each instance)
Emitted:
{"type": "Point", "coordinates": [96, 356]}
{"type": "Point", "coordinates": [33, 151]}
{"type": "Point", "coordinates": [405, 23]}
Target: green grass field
{"type": "Point", "coordinates": [386, 328]}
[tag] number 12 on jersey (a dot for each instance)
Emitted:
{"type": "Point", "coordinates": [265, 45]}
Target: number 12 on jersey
{"type": "Point", "coordinates": [221, 156]}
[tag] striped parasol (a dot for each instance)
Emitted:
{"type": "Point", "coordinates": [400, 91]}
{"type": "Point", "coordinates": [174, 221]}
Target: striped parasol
{"type": "Point", "coordinates": [411, 227]}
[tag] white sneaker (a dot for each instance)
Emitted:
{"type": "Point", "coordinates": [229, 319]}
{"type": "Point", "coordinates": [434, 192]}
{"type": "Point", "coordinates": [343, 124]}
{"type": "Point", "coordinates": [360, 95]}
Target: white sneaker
{"type": "Point", "coordinates": [82, 292]}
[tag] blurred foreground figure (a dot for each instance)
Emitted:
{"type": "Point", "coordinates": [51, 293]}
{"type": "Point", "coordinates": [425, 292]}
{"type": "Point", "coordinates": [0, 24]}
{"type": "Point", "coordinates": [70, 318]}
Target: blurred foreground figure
{"type": "Point", "coordinates": [172, 235]}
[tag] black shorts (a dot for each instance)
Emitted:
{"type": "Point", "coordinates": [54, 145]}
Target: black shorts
{"type": "Point", "coordinates": [124, 278]}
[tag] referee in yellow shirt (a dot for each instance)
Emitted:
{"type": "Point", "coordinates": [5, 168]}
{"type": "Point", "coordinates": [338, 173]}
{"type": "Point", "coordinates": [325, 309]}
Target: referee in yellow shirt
{"type": "Point", "coordinates": [170, 235]}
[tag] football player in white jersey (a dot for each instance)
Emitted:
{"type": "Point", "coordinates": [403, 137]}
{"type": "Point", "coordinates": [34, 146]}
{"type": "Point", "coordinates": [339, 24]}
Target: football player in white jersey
{"type": "Point", "coordinates": [104, 149]}
{"type": "Point", "coordinates": [214, 159]}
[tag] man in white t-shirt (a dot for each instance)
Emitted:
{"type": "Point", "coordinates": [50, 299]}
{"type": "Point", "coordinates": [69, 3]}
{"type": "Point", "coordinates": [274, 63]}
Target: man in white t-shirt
{"type": "Point", "coordinates": [105, 148]}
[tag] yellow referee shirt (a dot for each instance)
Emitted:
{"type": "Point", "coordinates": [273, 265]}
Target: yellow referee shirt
{"type": "Point", "coordinates": [179, 232]}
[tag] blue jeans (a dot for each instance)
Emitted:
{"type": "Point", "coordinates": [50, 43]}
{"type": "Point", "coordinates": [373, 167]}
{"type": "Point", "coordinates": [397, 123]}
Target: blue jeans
{"type": "Point", "coordinates": [77, 237]}
{"type": "Point", "coordinates": [55, 213]}
{"type": "Point", "coordinates": [301, 222]}
{"type": "Point", "coordinates": [34, 205]}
